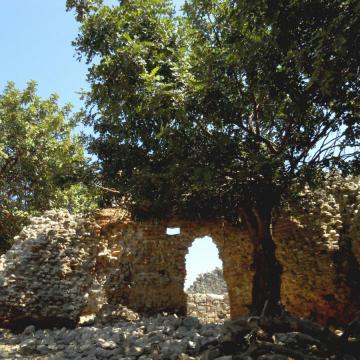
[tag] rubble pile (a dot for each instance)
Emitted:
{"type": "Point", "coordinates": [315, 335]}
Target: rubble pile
{"type": "Point", "coordinates": [51, 263]}
{"type": "Point", "coordinates": [211, 282]}
{"type": "Point", "coordinates": [185, 338]}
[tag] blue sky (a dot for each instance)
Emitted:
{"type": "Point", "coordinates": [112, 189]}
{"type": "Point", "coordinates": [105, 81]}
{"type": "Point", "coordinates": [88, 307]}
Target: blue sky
{"type": "Point", "coordinates": [35, 38]}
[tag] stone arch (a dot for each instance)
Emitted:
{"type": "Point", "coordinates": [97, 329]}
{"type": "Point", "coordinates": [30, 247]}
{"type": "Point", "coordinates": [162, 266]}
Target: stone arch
{"type": "Point", "coordinates": [235, 252]}
{"type": "Point", "coordinates": [192, 232]}
{"type": "Point", "coordinates": [204, 304]}
{"type": "Point", "coordinates": [148, 267]}
{"type": "Point", "coordinates": [202, 257]}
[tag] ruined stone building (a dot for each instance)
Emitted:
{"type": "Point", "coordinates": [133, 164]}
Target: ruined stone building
{"type": "Point", "coordinates": [63, 266]}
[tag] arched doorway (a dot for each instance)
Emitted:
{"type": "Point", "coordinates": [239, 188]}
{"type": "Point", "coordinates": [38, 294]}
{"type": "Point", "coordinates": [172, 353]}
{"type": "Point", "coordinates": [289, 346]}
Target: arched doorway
{"type": "Point", "coordinates": [204, 283]}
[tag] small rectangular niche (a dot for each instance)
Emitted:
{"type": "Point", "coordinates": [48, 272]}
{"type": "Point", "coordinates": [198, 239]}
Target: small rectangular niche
{"type": "Point", "coordinates": [173, 231]}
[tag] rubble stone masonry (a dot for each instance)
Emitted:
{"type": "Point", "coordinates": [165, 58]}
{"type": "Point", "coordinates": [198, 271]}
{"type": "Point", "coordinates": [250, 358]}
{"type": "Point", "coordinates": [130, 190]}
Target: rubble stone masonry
{"type": "Point", "coordinates": [63, 266]}
{"type": "Point", "coordinates": [208, 308]}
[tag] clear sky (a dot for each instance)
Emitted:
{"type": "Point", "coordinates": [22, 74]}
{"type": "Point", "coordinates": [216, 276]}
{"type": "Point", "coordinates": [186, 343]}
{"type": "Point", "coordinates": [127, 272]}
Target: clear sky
{"type": "Point", "coordinates": [35, 38]}
{"type": "Point", "coordinates": [203, 256]}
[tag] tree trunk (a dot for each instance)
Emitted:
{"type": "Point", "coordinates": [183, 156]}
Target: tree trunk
{"type": "Point", "coordinates": [267, 278]}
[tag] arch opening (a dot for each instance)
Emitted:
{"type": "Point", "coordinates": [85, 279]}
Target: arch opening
{"type": "Point", "coordinates": [205, 287]}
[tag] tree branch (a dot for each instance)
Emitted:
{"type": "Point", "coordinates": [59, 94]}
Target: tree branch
{"type": "Point", "coordinates": [108, 189]}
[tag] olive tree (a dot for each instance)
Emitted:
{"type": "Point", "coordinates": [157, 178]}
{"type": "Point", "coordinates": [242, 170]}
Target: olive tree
{"type": "Point", "coordinates": [223, 111]}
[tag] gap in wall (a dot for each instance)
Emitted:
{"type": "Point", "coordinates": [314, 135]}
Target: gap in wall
{"type": "Point", "coordinates": [173, 231]}
{"type": "Point", "coordinates": [202, 257]}
{"type": "Point", "coordinates": [207, 299]}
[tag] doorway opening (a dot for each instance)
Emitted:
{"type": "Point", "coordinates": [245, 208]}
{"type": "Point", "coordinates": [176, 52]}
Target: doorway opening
{"type": "Point", "coordinates": [204, 283]}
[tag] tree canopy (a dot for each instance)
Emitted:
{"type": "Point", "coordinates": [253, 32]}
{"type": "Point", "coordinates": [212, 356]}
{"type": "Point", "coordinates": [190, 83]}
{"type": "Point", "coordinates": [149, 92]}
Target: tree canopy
{"type": "Point", "coordinates": [222, 110]}
{"type": "Point", "coordinates": [42, 165]}
{"type": "Point", "coordinates": [218, 102]}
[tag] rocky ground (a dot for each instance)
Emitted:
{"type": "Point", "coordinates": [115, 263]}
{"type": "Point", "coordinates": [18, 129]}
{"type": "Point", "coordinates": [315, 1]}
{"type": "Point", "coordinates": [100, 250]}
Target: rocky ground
{"type": "Point", "coordinates": [175, 338]}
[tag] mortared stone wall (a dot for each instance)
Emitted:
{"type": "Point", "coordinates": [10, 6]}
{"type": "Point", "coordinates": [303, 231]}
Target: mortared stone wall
{"type": "Point", "coordinates": [63, 266]}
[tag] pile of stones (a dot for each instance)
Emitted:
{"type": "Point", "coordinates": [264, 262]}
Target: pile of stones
{"type": "Point", "coordinates": [159, 337]}
{"type": "Point", "coordinates": [51, 263]}
{"type": "Point", "coordinates": [211, 282]}
{"type": "Point", "coordinates": [184, 338]}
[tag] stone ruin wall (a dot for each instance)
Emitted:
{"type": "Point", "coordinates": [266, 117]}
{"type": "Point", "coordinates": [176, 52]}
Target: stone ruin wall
{"type": "Point", "coordinates": [62, 267]}
{"type": "Point", "coordinates": [208, 308]}
{"type": "Point", "coordinates": [150, 273]}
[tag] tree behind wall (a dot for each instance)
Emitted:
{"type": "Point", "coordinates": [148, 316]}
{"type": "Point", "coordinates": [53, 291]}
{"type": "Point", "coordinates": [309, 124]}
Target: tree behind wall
{"type": "Point", "coordinates": [225, 111]}
{"type": "Point", "coordinates": [42, 165]}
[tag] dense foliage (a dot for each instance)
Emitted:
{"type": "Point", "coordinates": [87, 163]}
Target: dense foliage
{"type": "Point", "coordinates": [42, 165]}
{"type": "Point", "coordinates": [207, 108]}
{"type": "Point", "coordinates": [224, 110]}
